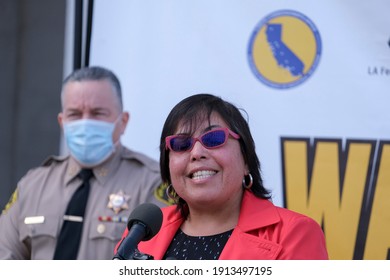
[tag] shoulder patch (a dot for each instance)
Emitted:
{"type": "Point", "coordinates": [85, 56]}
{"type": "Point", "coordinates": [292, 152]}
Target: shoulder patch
{"type": "Point", "coordinates": [161, 194]}
{"type": "Point", "coordinates": [11, 201]}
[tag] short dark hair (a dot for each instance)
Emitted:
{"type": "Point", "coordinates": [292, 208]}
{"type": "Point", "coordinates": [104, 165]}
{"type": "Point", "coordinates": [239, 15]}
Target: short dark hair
{"type": "Point", "coordinates": [193, 110]}
{"type": "Point", "coordinates": [96, 73]}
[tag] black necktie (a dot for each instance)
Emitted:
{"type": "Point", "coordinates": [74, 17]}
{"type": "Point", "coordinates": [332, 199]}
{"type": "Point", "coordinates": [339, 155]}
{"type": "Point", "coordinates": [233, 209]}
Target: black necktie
{"type": "Point", "coordinates": [69, 239]}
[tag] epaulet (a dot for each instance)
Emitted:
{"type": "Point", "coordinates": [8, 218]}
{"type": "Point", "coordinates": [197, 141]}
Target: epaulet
{"type": "Point", "coordinates": [144, 159]}
{"type": "Point", "coordinates": [51, 159]}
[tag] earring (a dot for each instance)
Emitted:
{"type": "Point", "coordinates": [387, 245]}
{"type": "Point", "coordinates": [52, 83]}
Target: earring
{"type": "Point", "coordinates": [171, 193]}
{"type": "Point", "coordinates": [249, 185]}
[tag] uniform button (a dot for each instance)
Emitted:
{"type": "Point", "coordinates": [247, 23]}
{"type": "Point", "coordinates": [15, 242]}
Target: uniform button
{"type": "Point", "coordinates": [101, 228]}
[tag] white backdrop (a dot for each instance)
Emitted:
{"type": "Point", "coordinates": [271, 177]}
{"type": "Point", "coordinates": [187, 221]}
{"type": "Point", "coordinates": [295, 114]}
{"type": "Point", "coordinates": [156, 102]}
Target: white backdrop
{"type": "Point", "coordinates": [163, 51]}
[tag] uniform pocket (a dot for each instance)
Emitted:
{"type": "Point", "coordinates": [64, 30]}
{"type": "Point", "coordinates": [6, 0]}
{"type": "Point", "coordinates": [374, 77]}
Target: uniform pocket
{"type": "Point", "coordinates": [41, 235]}
{"type": "Point", "coordinates": [106, 230]}
{"type": "Point", "coordinates": [39, 226]}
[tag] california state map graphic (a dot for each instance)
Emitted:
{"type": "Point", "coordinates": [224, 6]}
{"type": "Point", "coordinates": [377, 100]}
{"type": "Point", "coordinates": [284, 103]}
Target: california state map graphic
{"type": "Point", "coordinates": [283, 55]}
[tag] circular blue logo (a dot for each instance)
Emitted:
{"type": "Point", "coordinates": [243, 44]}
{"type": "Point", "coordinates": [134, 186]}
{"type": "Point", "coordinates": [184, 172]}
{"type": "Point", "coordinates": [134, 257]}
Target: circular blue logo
{"type": "Point", "coordinates": [284, 49]}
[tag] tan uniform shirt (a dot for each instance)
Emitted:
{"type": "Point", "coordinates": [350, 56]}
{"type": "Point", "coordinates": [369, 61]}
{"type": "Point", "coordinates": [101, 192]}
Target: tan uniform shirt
{"type": "Point", "coordinates": [30, 226]}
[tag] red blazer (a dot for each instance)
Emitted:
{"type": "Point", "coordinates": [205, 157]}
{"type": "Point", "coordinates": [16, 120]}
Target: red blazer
{"type": "Point", "coordinates": [264, 232]}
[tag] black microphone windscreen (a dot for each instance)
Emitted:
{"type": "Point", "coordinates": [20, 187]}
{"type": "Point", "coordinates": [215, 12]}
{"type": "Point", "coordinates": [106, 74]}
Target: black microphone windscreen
{"type": "Point", "coordinates": [148, 214]}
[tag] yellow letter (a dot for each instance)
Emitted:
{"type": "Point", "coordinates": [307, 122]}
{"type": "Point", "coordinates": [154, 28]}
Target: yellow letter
{"type": "Point", "coordinates": [332, 203]}
{"type": "Point", "coordinates": [378, 237]}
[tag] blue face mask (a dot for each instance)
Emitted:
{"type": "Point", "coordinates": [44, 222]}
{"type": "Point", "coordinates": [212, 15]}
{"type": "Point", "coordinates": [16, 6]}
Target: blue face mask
{"type": "Point", "coordinates": [89, 141]}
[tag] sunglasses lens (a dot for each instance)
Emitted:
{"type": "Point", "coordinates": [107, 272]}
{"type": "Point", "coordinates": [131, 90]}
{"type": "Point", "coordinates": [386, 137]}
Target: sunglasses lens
{"type": "Point", "coordinates": [211, 139]}
{"type": "Point", "coordinates": [180, 143]}
{"type": "Point", "coordinates": [214, 138]}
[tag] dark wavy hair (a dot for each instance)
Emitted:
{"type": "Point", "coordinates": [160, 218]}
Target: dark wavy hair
{"type": "Point", "coordinates": [193, 110]}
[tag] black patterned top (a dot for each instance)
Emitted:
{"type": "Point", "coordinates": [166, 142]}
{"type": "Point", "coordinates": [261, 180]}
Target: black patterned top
{"type": "Point", "coordinates": [185, 247]}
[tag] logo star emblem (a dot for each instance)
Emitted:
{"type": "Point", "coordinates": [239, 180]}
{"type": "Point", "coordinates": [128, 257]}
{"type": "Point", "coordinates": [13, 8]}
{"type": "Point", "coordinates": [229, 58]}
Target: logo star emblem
{"type": "Point", "coordinates": [118, 201]}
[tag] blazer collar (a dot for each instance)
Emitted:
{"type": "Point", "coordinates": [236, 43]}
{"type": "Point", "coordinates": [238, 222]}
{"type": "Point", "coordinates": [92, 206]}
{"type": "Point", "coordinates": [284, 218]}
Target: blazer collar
{"type": "Point", "coordinates": [256, 213]}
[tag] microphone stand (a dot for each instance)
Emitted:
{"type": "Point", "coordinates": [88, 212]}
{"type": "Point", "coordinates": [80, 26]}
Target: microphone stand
{"type": "Point", "coordinates": [137, 255]}
{"type": "Point", "coordinates": [141, 256]}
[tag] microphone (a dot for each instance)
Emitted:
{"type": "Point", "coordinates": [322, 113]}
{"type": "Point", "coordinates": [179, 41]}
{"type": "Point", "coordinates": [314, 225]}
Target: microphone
{"type": "Point", "coordinates": [144, 223]}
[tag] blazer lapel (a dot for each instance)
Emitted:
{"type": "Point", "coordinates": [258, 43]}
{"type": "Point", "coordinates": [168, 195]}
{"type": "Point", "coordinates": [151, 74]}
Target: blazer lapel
{"type": "Point", "coordinates": [249, 238]}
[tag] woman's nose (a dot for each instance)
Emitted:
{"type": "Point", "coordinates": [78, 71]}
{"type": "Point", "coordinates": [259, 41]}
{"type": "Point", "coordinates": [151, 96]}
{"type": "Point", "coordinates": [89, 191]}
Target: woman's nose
{"type": "Point", "coordinates": [198, 151]}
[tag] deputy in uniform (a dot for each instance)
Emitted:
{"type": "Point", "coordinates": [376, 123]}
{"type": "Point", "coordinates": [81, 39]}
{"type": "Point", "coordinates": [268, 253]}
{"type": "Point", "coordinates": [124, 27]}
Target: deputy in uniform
{"type": "Point", "coordinates": [93, 121]}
